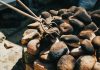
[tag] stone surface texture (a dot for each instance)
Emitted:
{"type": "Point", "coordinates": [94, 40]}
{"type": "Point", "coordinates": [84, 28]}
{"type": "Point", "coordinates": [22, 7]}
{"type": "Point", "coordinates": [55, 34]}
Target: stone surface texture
{"type": "Point", "coordinates": [9, 56]}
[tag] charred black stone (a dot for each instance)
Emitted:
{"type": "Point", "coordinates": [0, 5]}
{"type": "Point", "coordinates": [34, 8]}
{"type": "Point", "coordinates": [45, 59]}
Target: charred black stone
{"type": "Point", "coordinates": [69, 38]}
{"type": "Point", "coordinates": [98, 54]}
{"type": "Point", "coordinates": [62, 11]}
{"type": "Point", "coordinates": [87, 46]}
{"type": "Point", "coordinates": [65, 16]}
{"type": "Point", "coordinates": [57, 50]}
{"type": "Point", "coordinates": [91, 26]}
{"type": "Point", "coordinates": [77, 24]}
{"type": "Point", "coordinates": [96, 18]}
{"type": "Point", "coordinates": [57, 21]}
{"type": "Point", "coordinates": [82, 15]}
{"type": "Point", "coordinates": [46, 42]}
{"type": "Point", "coordinates": [73, 9]}
{"type": "Point", "coordinates": [97, 32]}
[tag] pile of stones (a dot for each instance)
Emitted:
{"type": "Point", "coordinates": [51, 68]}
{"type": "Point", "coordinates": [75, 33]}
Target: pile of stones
{"type": "Point", "coordinates": [67, 39]}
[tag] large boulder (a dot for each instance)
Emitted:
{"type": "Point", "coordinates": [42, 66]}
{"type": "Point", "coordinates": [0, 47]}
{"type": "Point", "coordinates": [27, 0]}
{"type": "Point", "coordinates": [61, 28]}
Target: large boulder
{"type": "Point", "coordinates": [10, 54]}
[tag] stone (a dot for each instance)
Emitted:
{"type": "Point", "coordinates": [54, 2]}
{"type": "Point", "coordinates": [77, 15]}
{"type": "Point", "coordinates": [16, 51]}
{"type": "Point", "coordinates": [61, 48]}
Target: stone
{"type": "Point", "coordinates": [96, 66]}
{"type": "Point", "coordinates": [96, 42]}
{"type": "Point", "coordinates": [91, 26]}
{"type": "Point", "coordinates": [67, 15]}
{"type": "Point", "coordinates": [98, 54]}
{"type": "Point", "coordinates": [57, 50]}
{"type": "Point", "coordinates": [62, 11]}
{"type": "Point", "coordinates": [76, 52]}
{"type": "Point", "coordinates": [82, 15]}
{"type": "Point", "coordinates": [57, 22]}
{"type": "Point", "coordinates": [74, 45]}
{"type": "Point", "coordinates": [9, 57]}
{"type": "Point", "coordinates": [87, 47]}
{"type": "Point", "coordinates": [87, 34]}
{"type": "Point", "coordinates": [69, 38]}
{"type": "Point", "coordinates": [2, 37]}
{"type": "Point", "coordinates": [45, 14]}
{"type": "Point", "coordinates": [32, 46]}
{"type": "Point", "coordinates": [7, 44]}
{"type": "Point", "coordinates": [85, 62]}
{"type": "Point", "coordinates": [44, 55]}
{"type": "Point", "coordinates": [72, 9]}
{"type": "Point", "coordinates": [53, 12]}
{"type": "Point", "coordinates": [38, 65]}
{"type": "Point", "coordinates": [28, 31]}
{"type": "Point", "coordinates": [28, 67]}
{"type": "Point", "coordinates": [27, 37]}
{"type": "Point", "coordinates": [66, 62]}
{"type": "Point", "coordinates": [65, 28]}
{"type": "Point", "coordinates": [76, 23]}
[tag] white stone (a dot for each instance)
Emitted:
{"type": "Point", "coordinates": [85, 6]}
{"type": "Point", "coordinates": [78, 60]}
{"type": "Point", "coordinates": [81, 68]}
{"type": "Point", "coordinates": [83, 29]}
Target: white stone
{"type": "Point", "coordinates": [9, 57]}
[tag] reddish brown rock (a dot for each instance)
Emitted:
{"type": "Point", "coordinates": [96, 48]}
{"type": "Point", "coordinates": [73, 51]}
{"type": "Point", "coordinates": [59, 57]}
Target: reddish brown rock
{"type": "Point", "coordinates": [28, 36]}
{"type": "Point", "coordinates": [38, 65]}
{"type": "Point", "coordinates": [66, 28]}
{"type": "Point", "coordinates": [32, 46]}
{"type": "Point", "coordinates": [66, 62]}
{"type": "Point", "coordinates": [87, 34]}
{"type": "Point", "coordinates": [96, 42]}
{"type": "Point", "coordinates": [85, 62]}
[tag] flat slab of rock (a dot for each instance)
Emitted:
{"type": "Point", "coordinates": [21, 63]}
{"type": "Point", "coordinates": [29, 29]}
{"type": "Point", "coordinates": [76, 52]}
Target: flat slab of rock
{"type": "Point", "coordinates": [9, 56]}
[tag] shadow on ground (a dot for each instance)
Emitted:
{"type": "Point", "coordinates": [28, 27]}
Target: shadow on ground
{"type": "Point", "coordinates": [19, 65]}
